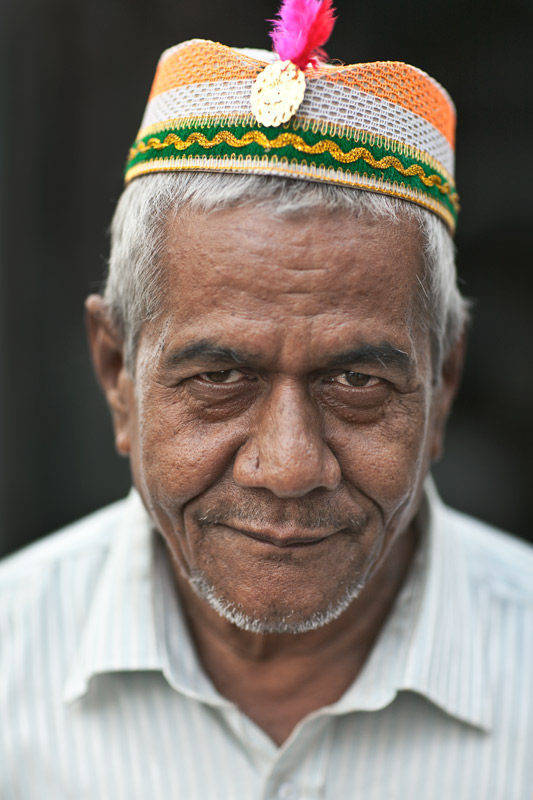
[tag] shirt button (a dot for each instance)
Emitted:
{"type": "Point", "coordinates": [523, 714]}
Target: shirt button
{"type": "Point", "coordinates": [287, 791]}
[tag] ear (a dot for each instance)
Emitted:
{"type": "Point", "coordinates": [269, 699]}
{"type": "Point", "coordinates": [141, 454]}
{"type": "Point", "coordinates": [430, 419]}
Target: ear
{"type": "Point", "coordinates": [107, 351]}
{"type": "Point", "coordinates": [446, 388]}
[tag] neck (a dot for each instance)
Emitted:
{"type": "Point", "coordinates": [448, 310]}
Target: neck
{"type": "Point", "coordinates": [312, 669]}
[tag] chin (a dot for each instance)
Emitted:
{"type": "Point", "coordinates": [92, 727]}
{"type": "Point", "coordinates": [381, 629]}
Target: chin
{"type": "Point", "coordinates": [273, 619]}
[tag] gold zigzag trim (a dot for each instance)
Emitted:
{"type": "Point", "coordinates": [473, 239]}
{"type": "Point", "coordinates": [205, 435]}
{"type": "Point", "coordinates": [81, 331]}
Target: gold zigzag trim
{"type": "Point", "coordinates": [285, 139]}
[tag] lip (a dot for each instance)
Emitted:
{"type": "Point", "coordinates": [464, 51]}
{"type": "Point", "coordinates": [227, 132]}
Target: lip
{"type": "Point", "coordinates": [292, 538]}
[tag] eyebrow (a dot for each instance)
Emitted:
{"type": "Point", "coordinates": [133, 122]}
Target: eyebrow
{"type": "Point", "coordinates": [384, 354]}
{"type": "Point", "coordinates": [207, 350]}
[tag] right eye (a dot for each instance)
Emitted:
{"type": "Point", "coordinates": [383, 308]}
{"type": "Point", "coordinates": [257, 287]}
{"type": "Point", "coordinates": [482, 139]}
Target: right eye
{"type": "Point", "coordinates": [222, 376]}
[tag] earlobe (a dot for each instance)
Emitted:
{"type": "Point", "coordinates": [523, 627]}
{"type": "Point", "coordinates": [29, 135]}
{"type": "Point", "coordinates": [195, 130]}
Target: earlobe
{"type": "Point", "coordinates": [107, 353]}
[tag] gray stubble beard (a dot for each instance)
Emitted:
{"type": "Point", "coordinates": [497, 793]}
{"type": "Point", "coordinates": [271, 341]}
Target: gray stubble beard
{"type": "Point", "coordinates": [274, 622]}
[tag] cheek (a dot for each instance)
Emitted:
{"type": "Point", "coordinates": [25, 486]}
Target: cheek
{"type": "Point", "coordinates": [384, 461]}
{"type": "Point", "coordinates": [180, 457]}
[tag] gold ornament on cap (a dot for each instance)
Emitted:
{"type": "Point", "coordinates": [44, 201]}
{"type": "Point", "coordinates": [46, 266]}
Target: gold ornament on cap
{"type": "Point", "coordinates": [277, 93]}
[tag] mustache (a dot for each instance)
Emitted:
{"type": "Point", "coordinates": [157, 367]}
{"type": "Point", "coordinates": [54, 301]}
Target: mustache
{"type": "Point", "coordinates": [251, 514]}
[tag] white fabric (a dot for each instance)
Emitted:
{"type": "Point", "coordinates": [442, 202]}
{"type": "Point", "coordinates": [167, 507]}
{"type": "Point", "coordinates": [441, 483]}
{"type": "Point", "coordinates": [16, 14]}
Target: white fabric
{"type": "Point", "coordinates": [324, 100]}
{"type": "Point", "coordinates": [102, 696]}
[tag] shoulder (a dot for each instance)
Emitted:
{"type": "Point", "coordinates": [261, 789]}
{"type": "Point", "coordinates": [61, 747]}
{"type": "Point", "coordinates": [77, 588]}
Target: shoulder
{"type": "Point", "coordinates": [46, 591]}
{"type": "Point", "coordinates": [85, 539]}
{"type": "Point", "coordinates": [494, 558]}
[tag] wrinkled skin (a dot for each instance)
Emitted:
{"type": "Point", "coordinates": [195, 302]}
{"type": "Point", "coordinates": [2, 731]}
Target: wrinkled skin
{"type": "Point", "coordinates": [287, 471]}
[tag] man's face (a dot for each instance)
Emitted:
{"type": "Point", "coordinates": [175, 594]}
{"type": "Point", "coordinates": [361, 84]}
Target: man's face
{"type": "Point", "coordinates": [283, 414]}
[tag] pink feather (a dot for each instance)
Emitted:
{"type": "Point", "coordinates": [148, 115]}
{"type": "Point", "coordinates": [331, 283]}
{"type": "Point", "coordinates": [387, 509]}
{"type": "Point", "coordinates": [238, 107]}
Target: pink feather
{"type": "Point", "coordinates": [300, 30]}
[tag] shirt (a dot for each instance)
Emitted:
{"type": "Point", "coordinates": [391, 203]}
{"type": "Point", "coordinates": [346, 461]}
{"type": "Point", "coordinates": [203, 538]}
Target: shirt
{"type": "Point", "coordinates": [103, 697]}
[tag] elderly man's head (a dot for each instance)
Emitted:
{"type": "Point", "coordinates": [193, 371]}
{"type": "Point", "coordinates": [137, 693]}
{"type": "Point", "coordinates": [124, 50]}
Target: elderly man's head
{"type": "Point", "coordinates": [280, 358]}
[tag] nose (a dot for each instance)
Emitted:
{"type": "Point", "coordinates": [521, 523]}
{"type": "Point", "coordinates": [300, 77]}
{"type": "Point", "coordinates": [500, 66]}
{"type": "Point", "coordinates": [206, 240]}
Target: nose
{"type": "Point", "coordinates": [286, 452]}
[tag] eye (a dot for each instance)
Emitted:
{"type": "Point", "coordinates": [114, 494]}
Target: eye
{"type": "Point", "coordinates": [222, 376]}
{"type": "Point", "coordinates": [358, 379]}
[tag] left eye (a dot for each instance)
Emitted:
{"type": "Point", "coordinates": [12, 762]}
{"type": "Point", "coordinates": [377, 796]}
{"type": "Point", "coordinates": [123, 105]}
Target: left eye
{"type": "Point", "coordinates": [355, 379]}
{"type": "Point", "coordinates": [222, 376]}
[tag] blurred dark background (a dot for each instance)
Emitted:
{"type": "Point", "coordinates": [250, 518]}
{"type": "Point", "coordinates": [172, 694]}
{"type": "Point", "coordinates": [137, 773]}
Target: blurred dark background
{"type": "Point", "coordinates": [74, 80]}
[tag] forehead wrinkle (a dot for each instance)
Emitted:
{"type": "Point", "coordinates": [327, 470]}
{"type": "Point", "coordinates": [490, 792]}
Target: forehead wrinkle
{"type": "Point", "coordinates": [302, 269]}
{"type": "Point", "coordinates": [248, 278]}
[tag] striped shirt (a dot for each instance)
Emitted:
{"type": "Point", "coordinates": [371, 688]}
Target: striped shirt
{"type": "Point", "coordinates": [102, 695]}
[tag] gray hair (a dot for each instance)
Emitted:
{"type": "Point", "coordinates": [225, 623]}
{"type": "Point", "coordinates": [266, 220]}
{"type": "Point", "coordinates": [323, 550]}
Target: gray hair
{"type": "Point", "coordinates": [135, 283]}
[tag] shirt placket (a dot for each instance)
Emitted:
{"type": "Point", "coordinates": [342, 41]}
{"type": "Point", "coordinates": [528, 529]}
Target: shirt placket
{"type": "Point", "coordinates": [299, 769]}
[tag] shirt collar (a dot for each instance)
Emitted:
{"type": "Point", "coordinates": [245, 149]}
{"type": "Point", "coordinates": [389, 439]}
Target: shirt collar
{"type": "Point", "coordinates": [432, 642]}
{"type": "Point", "coordinates": [135, 621]}
{"type": "Point", "coordinates": [119, 631]}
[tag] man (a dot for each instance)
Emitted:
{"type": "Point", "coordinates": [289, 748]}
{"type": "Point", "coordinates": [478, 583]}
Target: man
{"type": "Point", "coordinates": [282, 607]}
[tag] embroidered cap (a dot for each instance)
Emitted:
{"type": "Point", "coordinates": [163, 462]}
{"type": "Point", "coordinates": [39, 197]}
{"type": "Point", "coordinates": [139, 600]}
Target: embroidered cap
{"type": "Point", "coordinates": [383, 126]}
